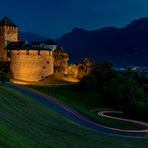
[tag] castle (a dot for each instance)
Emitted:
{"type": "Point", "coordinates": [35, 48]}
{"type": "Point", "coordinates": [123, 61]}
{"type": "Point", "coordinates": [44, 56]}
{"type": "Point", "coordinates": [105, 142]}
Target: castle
{"type": "Point", "coordinates": [29, 62]}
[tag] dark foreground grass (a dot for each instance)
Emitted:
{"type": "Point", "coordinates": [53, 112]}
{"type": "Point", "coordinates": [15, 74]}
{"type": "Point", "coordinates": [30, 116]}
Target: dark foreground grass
{"type": "Point", "coordinates": [84, 101]}
{"type": "Point", "coordinates": [27, 123]}
{"type": "Point", "coordinates": [70, 95]}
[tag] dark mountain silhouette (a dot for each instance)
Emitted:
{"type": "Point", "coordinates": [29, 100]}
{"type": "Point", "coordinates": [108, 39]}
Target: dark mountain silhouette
{"type": "Point", "coordinates": [121, 46]}
{"type": "Point", "coordinates": [30, 36]}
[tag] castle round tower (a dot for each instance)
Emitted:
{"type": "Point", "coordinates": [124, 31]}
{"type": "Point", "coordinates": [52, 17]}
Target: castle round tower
{"type": "Point", "coordinates": [8, 33]}
{"type": "Point", "coordinates": [31, 62]}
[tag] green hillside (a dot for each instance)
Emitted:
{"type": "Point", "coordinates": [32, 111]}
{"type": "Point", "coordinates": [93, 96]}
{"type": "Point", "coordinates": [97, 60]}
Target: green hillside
{"type": "Point", "coordinates": [25, 122]}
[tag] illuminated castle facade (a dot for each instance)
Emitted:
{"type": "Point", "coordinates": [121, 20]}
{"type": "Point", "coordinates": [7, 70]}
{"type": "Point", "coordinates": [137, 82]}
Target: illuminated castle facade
{"type": "Point", "coordinates": [29, 62]}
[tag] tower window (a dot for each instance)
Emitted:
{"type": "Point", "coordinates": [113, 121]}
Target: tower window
{"type": "Point", "coordinates": [47, 62]}
{"type": "Point", "coordinates": [17, 52]}
{"type": "Point", "coordinates": [42, 76]}
{"type": "Point", "coordinates": [44, 67]}
{"type": "Point", "coordinates": [39, 52]}
{"type": "Point", "coordinates": [50, 53]}
{"type": "Point", "coordinates": [27, 52]}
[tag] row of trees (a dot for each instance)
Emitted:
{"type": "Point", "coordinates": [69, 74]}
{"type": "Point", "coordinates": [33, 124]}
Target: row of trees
{"type": "Point", "coordinates": [122, 91]}
{"type": "Point", "coordinates": [84, 67]}
{"type": "Point", "coordinates": [76, 71]}
{"type": "Point", "coordinates": [60, 60]}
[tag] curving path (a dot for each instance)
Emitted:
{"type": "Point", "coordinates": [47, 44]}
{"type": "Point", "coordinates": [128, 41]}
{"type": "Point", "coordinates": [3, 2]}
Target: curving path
{"type": "Point", "coordinates": [74, 115]}
{"type": "Point", "coordinates": [143, 124]}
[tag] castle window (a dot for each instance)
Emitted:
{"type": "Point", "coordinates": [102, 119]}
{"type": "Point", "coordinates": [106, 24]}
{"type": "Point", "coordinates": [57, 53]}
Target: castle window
{"type": "Point", "coordinates": [47, 62]}
{"type": "Point", "coordinates": [42, 76]}
{"type": "Point", "coordinates": [17, 52]}
{"type": "Point", "coordinates": [27, 52]}
{"type": "Point", "coordinates": [49, 53]}
{"type": "Point", "coordinates": [44, 67]}
{"type": "Point", "coordinates": [39, 52]}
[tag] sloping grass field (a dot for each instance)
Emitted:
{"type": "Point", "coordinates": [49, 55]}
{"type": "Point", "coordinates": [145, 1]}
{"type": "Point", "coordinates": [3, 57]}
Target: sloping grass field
{"type": "Point", "coordinates": [27, 123]}
{"type": "Point", "coordinates": [84, 102]}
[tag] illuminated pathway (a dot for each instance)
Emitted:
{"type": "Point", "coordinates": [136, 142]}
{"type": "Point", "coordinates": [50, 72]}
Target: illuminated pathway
{"type": "Point", "coordinates": [74, 115]}
{"type": "Point", "coordinates": [143, 124]}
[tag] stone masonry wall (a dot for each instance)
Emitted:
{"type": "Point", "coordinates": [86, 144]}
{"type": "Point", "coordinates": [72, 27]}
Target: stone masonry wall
{"type": "Point", "coordinates": [31, 65]}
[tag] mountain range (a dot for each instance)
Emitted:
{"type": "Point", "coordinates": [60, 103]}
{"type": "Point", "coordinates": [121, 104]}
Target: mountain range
{"type": "Point", "coordinates": [28, 36]}
{"type": "Point", "coordinates": [122, 46]}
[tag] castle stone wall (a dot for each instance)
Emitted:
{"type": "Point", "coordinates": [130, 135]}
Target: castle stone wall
{"type": "Point", "coordinates": [31, 65]}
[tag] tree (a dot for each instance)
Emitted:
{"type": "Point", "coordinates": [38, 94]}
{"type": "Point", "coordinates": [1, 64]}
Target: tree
{"type": "Point", "coordinates": [104, 73]}
{"type": "Point", "coordinates": [120, 91]}
{"type": "Point", "coordinates": [84, 67]}
{"type": "Point", "coordinates": [102, 67]}
{"type": "Point", "coordinates": [130, 71]}
{"type": "Point", "coordinates": [88, 83]}
{"type": "Point", "coordinates": [60, 60]}
{"type": "Point", "coordinates": [3, 78]}
{"type": "Point", "coordinates": [72, 71]}
{"type": "Point", "coordinates": [137, 109]}
{"type": "Point", "coordinates": [4, 66]}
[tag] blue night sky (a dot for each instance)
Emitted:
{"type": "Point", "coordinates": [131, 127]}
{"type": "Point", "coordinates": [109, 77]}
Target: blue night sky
{"type": "Point", "coordinates": [52, 18]}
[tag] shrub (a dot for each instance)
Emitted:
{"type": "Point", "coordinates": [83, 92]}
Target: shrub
{"type": "Point", "coordinates": [137, 109]}
{"type": "Point", "coordinates": [87, 83]}
{"type": "Point", "coordinates": [3, 77]}
{"type": "Point", "coordinates": [120, 91]}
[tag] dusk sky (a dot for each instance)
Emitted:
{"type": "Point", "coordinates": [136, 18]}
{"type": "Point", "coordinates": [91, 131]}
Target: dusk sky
{"type": "Point", "coordinates": [52, 18]}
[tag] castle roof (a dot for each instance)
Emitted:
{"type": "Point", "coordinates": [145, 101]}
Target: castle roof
{"type": "Point", "coordinates": [47, 42]}
{"type": "Point", "coordinates": [50, 42]}
{"type": "Point", "coordinates": [7, 22]}
{"type": "Point", "coordinates": [21, 45]}
{"type": "Point", "coordinates": [15, 45]}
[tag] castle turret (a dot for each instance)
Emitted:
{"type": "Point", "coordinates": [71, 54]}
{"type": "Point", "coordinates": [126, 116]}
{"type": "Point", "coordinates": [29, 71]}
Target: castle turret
{"type": "Point", "coordinates": [8, 33]}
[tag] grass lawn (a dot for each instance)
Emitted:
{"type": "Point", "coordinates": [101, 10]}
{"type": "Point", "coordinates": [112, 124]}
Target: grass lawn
{"type": "Point", "coordinates": [70, 95]}
{"type": "Point", "coordinates": [53, 79]}
{"type": "Point", "coordinates": [27, 123]}
{"type": "Point", "coordinates": [84, 101]}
